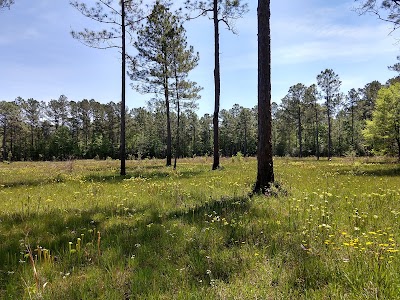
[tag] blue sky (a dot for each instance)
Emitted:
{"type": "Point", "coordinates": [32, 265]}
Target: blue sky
{"type": "Point", "coordinates": [39, 58]}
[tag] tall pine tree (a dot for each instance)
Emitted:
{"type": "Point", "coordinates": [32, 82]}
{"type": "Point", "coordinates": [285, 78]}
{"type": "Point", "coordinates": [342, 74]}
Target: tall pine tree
{"type": "Point", "coordinates": [118, 19]}
{"type": "Point", "coordinates": [224, 11]}
{"type": "Point", "coordinates": [164, 61]}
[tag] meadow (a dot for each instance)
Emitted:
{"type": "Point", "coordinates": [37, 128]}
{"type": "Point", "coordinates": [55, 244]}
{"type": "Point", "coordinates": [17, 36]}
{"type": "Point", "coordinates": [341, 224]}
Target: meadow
{"type": "Point", "coordinates": [77, 230]}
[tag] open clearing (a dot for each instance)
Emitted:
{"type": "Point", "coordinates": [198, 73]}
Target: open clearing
{"type": "Point", "coordinates": [77, 230]}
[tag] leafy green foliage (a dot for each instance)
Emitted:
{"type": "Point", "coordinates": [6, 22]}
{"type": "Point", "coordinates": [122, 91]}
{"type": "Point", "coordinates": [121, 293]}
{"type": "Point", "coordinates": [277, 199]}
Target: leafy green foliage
{"type": "Point", "coordinates": [383, 131]}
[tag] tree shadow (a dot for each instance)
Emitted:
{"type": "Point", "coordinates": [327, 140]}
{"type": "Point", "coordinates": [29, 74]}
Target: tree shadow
{"type": "Point", "coordinates": [390, 171]}
{"type": "Point", "coordinates": [384, 170]}
{"type": "Point", "coordinates": [146, 172]}
{"type": "Point", "coordinates": [206, 241]}
{"type": "Point", "coordinates": [154, 174]}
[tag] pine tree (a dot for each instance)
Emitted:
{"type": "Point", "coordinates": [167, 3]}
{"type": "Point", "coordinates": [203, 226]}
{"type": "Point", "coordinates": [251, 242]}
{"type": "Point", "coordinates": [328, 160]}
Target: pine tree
{"type": "Point", "coordinates": [117, 20]}
{"type": "Point", "coordinates": [164, 61]}
{"type": "Point", "coordinates": [219, 11]}
{"type": "Point", "coordinates": [329, 83]}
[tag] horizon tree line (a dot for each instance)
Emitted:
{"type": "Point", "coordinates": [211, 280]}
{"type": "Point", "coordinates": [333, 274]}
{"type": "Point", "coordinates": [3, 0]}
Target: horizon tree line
{"type": "Point", "coordinates": [62, 129]}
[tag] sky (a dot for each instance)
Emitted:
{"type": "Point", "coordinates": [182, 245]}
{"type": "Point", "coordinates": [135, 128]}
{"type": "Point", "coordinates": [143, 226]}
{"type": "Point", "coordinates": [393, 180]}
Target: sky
{"type": "Point", "coordinates": [39, 59]}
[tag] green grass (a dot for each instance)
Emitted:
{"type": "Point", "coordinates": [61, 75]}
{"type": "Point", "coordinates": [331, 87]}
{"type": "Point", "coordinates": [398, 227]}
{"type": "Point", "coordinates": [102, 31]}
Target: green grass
{"type": "Point", "coordinates": [331, 232]}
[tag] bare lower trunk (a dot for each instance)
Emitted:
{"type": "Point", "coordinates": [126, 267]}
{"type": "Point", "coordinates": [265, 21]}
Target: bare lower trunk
{"type": "Point", "coordinates": [329, 136]}
{"type": "Point", "coordinates": [317, 141]}
{"type": "Point", "coordinates": [352, 127]}
{"type": "Point", "coordinates": [265, 172]}
{"type": "Point", "coordinates": [217, 84]}
{"type": "Point", "coordinates": [122, 142]}
{"type": "Point", "coordinates": [177, 136]}
{"type": "Point", "coordinates": [169, 139]}
{"type": "Point", "coordinates": [245, 140]}
{"type": "Point", "coordinates": [398, 147]}
{"type": "Point", "coordinates": [299, 132]}
{"type": "Point", "coordinates": [4, 141]}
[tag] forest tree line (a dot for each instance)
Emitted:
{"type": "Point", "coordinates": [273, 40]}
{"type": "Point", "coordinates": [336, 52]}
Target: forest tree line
{"type": "Point", "coordinates": [62, 129]}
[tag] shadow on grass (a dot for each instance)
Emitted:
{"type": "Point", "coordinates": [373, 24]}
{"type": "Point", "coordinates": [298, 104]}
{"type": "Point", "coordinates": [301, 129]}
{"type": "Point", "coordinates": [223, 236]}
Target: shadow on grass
{"type": "Point", "coordinates": [193, 246]}
{"type": "Point", "coordinates": [386, 170]}
{"type": "Point", "coordinates": [33, 182]}
{"type": "Point", "coordinates": [389, 171]}
{"type": "Point", "coordinates": [156, 174]}
{"type": "Point", "coordinates": [147, 172]}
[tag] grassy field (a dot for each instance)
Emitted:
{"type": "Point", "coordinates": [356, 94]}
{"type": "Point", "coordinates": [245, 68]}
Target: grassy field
{"type": "Point", "coordinates": [77, 230]}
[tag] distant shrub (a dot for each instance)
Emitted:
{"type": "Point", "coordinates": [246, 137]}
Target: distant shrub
{"type": "Point", "coordinates": [238, 157]}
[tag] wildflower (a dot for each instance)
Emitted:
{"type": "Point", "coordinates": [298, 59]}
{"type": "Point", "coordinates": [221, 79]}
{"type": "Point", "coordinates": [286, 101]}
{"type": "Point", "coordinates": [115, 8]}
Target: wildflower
{"type": "Point", "coordinates": [391, 250]}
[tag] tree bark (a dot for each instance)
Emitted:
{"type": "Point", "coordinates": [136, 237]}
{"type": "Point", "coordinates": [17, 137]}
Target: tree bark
{"type": "Point", "coordinates": [316, 131]}
{"type": "Point", "coordinates": [4, 140]}
{"type": "Point", "coordinates": [217, 83]}
{"type": "Point", "coordinates": [122, 142]}
{"type": "Point", "coordinates": [169, 139]}
{"type": "Point", "coordinates": [299, 131]}
{"type": "Point", "coordinates": [265, 172]}
{"type": "Point", "coordinates": [177, 135]}
{"type": "Point", "coordinates": [329, 133]}
{"type": "Point", "coordinates": [178, 112]}
{"type": "Point", "coordinates": [12, 134]}
{"type": "Point", "coordinates": [352, 126]}
{"type": "Point", "coordinates": [245, 139]}
{"type": "Point", "coordinates": [32, 138]}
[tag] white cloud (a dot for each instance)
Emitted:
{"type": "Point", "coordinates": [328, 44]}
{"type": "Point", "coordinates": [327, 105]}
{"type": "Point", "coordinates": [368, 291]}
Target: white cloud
{"type": "Point", "coordinates": [19, 35]}
{"type": "Point", "coordinates": [308, 40]}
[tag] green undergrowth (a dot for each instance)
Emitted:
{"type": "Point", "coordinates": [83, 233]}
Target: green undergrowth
{"type": "Point", "coordinates": [78, 230]}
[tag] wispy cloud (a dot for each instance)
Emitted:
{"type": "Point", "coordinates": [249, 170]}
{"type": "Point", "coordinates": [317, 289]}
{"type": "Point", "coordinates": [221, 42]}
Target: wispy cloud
{"type": "Point", "coordinates": [16, 36]}
{"type": "Point", "coordinates": [311, 38]}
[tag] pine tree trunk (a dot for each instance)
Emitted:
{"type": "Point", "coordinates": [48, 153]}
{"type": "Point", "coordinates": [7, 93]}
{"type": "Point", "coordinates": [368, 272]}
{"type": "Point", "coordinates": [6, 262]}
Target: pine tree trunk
{"type": "Point", "coordinates": [329, 135]}
{"type": "Point", "coordinates": [217, 83]}
{"type": "Point", "coordinates": [12, 134]}
{"type": "Point", "coordinates": [177, 135]}
{"type": "Point", "coordinates": [398, 146]}
{"type": "Point", "coordinates": [31, 152]}
{"type": "Point", "coordinates": [194, 142]}
{"type": "Point", "coordinates": [317, 131]}
{"type": "Point", "coordinates": [352, 126]}
{"type": "Point", "coordinates": [245, 139]}
{"type": "Point", "coordinates": [4, 140]}
{"type": "Point", "coordinates": [169, 138]}
{"type": "Point", "coordinates": [299, 132]}
{"type": "Point", "coordinates": [178, 111]}
{"type": "Point", "coordinates": [265, 172]}
{"type": "Point", "coordinates": [122, 143]}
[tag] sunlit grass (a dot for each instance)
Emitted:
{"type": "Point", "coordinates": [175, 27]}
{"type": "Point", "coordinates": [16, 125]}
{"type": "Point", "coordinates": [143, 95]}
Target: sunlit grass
{"type": "Point", "coordinates": [194, 233]}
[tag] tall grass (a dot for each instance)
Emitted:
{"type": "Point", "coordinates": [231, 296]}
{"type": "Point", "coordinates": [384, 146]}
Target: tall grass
{"type": "Point", "coordinates": [332, 232]}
